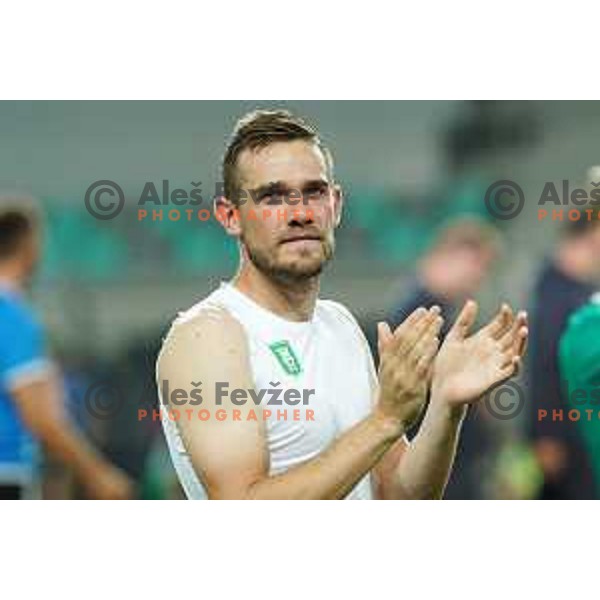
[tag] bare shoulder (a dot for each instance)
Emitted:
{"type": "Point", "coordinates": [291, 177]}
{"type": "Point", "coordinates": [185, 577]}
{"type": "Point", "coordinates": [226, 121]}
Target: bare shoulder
{"type": "Point", "coordinates": [206, 336]}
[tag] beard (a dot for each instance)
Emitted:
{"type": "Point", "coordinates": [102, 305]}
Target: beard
{"type": "Point", "coordinates": [302, 267]}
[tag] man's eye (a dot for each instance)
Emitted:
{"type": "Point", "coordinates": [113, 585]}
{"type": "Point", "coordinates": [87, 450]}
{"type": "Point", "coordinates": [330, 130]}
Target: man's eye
{"type": "Point", "coordinates": [316, 193]}
{"type": "Point", "coordinates": [273, 198]}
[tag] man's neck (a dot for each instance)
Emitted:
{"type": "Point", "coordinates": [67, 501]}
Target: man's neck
{"type": "Point", "coordinates": [294, 301]}
{"type": "Point", "coordinates": [10, 278]}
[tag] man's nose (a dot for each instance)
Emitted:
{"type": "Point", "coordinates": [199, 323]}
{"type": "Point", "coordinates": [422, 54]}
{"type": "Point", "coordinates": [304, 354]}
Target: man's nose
{"type": "Point", "coordinates": [301, 215]}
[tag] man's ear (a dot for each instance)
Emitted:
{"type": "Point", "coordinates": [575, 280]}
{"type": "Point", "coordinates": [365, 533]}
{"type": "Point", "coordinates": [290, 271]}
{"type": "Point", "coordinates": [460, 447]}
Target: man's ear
{"type": "Point", "coordinates": [338, 204]}
{"type": "Point", "coordinates": [228, 214]}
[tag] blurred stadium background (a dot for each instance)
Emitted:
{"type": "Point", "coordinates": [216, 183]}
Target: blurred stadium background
{"type": "Point", "coordinates": [108, 289]}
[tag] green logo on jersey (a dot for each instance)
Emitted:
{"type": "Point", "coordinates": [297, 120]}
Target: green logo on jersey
{"type": "Point", "coordinates": [287, 358]}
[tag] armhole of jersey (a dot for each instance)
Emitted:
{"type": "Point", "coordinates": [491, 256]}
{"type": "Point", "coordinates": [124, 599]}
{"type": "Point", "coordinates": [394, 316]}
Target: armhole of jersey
{"type": "Point", "coordinates": [342, 310]}
{"type": "Point", "coordinates": [346, 314]}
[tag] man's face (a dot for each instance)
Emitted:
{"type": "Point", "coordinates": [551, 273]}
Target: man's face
{"type": "Point", "coordinates": [290, 209]}
{"type": "Point", "coordinates": [465, 269]}
{"type": "Point", "coordinates": [482, 260]}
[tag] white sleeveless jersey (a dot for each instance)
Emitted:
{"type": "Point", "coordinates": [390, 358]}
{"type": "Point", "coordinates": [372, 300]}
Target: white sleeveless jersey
{"type": "Point", "coordinates": [328, 354]}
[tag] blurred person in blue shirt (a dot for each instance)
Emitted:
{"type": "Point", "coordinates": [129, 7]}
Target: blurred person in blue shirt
{"type": "Point", "coordinates": [31, 393]}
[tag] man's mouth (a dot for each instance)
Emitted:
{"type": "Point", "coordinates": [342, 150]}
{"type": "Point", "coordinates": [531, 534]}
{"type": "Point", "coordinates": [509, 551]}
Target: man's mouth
{"type": "Point", "coordinates": [301, 238]}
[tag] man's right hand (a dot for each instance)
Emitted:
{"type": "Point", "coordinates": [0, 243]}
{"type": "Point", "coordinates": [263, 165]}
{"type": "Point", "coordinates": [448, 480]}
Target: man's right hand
{"type": "Point", "coordinates": [406, 364]}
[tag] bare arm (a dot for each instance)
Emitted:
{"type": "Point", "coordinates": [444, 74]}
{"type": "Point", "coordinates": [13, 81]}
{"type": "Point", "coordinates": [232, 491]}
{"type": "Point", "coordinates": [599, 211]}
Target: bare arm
{"type": "Point", "coordinates": [231, 457]}
{"type": "Point", "coordinates": [419, 470]}
{"type": "Point", "coordinates": [464, 370]}
{"type": "Point", "coordinates": [40, 406]}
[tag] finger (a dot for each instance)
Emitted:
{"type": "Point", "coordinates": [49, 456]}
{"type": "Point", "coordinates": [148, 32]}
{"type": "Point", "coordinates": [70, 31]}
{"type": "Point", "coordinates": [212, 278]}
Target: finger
{"type": "Point", "coordinates": [509, 338]}
{"type": "Point", "coordinates": [419, 315]}
{"type": "Point", "coordinates": [415, 317]}
{"type": "Point", "coordinates": [465, 320]}
{"type": "Point", "coordinates": [384, 336]}
{"type": "Point", "coordinates": [517, 366]}
{"type": "Point", "coordinates": [522, 342]}
{"type": "Point", "coordinates": [510, 368]}
{"type": "Point", "coordinates": [516, 336]}
{"type": "Point", "coordinates": [507, 358]}
{"type": "Point", "coordinates": [424, 364]}
{"type": "Point", "coordinates": [426, 341]}
{"type": "Point", "coordinates": [522, 334]}
{"type": "Point", "coordinates": [429, 374]}
{"type": "Point", "coordinates": [501, 323]}
{"type": "Point", "coordinates": [404, 344]}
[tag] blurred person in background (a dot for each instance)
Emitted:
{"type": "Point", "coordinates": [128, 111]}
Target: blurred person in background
{"type": "Point", "coordinates": [579, 364]}
{"type": "Point", "coordinates": [564, 284]}
{"type": "Point", "coordinates": [31, 393]}
{"type": "Point", "coordinates": [454, 269]}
